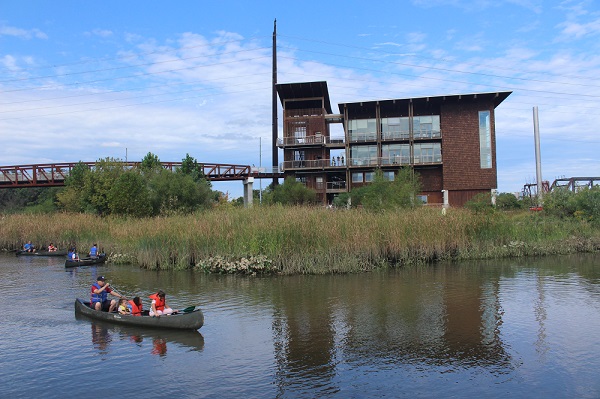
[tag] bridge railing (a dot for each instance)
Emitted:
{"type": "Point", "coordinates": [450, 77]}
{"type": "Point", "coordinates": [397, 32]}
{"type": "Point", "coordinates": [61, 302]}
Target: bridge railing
{"type": "Point", "coordinates": [55, 174]}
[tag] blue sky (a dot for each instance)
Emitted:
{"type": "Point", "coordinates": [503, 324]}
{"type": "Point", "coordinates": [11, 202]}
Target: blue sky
{"type": "Point", "coordinates": [89, 80]}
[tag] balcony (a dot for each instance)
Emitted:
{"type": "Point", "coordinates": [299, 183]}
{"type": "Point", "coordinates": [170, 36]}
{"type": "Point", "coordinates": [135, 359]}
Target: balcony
{"type": "Point", "coordinates": [311, 141]}
{"type": "Point", "coordinates": [328, 164]}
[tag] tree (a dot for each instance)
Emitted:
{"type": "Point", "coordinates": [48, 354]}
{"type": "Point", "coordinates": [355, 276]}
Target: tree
{"type": "Point", "coordinates": [129, 195]}
{"type": "Point", "coordinates": [150, 163]}
{"type": "Point", "coordinates": [292, 192]}
{"type": "Point", "coordinates": [508, 201]}
{"type": "Point", "coordinates": [480, 203]}
{"type": "Point", "coordinates": [560, 202]}
{"type": "Point", "coordinates": [72, 197]}
{"type": "Point", "coordinates": [383, 194]}
{"type": "Point", "coordinates": [191, 167]}
{"type": "Point", "coordinates": [177, 192]}
{"type": "Point", "coordinates": [98, 183]}
{"type": "Point", "coordinates": [588, 204]}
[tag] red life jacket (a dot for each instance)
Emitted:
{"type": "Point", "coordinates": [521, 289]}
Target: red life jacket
{"type": "Point", "coordinates": [160, 302]}
{"type": "Point", "coordinates": [135, 309]}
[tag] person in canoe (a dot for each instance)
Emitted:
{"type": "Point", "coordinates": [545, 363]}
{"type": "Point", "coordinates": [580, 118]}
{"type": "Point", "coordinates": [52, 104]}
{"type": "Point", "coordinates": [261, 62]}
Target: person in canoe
{"type": "Point", "coordinates": [94, 251]}
{"type": "Point", "coordinates": [99, 299]}
{"type": "Point", "coordinates": [28, 247]}
{"type": "Point", "coordinates": [159, 305]}
{"type": "Point", "coordinates": [123, 308]}
{"type": "Point", "coordinates": [52, 248]}
{"type": "Point", "coordinates": [72, 255]}
{"type": "Point", "coordinates": [135, 306]}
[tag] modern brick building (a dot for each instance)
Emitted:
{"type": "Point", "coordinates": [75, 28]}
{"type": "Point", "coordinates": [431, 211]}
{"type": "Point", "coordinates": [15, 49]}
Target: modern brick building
{"type": "Point", "coordinates": [448, 140]}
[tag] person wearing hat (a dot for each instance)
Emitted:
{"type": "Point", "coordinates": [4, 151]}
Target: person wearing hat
{"type": "Point", "coordinates": [100, 291]}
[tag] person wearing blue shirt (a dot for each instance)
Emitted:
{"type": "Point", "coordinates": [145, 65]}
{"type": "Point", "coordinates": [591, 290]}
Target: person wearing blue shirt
{"type": "Point", "coordinates": [29, 247]}
{"type": "Point", "coordinates": [94, 251]}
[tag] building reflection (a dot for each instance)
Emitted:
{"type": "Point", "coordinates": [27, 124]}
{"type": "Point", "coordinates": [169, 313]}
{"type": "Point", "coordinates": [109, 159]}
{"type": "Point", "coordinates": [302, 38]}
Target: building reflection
{"type": "Point", "coordinates": [437, 317]}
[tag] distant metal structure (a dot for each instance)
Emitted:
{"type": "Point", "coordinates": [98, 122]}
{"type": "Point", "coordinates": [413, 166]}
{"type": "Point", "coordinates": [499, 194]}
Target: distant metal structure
{"type": "Point", "coordinates": [570, 183]}
{"type": "Point", "coordinates": [530, 190]}
{"type": "Point", "coordinates": [54, 174]}
{"type": "Point", "coordinates": [575, 183]}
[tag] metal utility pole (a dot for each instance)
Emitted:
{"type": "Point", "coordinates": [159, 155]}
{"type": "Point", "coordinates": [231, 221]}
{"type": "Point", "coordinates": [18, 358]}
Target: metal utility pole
{"type": "Point", "coordinates": [260, 168]}
{"type": "Point", "coordinates": [274, 110]}
{"type": "Point", "coordinates": [538, 156]}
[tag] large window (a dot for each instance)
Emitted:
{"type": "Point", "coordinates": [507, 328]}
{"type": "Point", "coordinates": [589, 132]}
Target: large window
{"type": "Point", "coordinates": [426, 127]}
{"type": "Point", "coordinates": [299, 130]}
{"type": "Point", "coordinates": [363, 154]}
{"type": "Point", "coordinates": [362, 129]}
{"type": "Point", "coordinates": [427, 153]}
{"type": "Point", "coordinates": [395, 128]}
{"type": "Point", "coordinates": [395, 154]}
{"type": "Point", "coordinates": [485, 140]}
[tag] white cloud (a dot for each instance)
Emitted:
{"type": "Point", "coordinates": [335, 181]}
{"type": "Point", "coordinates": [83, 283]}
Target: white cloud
{"type": "Point", "coordinates": [100, 33]}
{"type": "Point", "coordinates": [22, 33]}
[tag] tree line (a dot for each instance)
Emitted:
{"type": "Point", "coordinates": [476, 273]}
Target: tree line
{"type": "Point", "coordinates": [112, 188]}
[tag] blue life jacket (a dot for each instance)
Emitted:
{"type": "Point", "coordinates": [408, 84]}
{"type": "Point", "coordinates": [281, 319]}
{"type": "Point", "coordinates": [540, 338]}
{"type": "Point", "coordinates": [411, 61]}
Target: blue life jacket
{"type": "Point", "coordinates": [101, 297]}
{"type": "Point", "coordinates": [94, 251]}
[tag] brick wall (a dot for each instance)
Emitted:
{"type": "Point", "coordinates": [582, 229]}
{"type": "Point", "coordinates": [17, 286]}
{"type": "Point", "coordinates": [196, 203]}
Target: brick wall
{"type": "Point", "coordinates": [460, 147]}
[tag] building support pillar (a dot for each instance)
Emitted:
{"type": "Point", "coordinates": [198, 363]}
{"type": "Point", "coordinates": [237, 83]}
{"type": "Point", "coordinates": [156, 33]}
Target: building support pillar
{"type": "Point", "coordinates": [446, 202]}
{"type": "Point", "coordinates": [248, 192]}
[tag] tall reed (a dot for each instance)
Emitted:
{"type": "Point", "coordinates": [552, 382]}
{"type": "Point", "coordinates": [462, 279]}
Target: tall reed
{"type": "Point", "coordinates": [303, 239]}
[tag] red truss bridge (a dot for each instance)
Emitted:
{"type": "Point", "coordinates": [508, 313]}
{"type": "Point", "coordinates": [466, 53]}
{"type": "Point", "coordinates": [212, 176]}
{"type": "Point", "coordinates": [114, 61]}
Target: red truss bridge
{"type": "Point", "coordinates": [54, 174]}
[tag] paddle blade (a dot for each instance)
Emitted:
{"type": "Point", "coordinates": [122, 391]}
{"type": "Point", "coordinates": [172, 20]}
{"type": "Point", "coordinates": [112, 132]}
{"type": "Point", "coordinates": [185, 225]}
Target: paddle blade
{"type": "Point", "coordinates": [188, 309]}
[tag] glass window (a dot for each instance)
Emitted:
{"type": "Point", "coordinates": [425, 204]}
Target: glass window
{"type": "Point", "coordinates": [369, 176]}
{"type": "Point", "coordinates": [395, 154]}
{"type": "Point", "coordinates": [357, 177]}
{"type": "Point", "coordinates": [426, 127]}
{"type": "Point", "coordinates": [427, 153]}
{"type": "Point", "coordinates": [389, 175]}
{"type": "Point", "coordinates": [422, 198]}
{"type": "Point", "coordinates": [485, 140]}
{"type": "Point", "coordinates": [395, 128]}
{"type": "Point", "coordinates": [362, 129]}
{"type": "Point", "coordinates": [363, 154]}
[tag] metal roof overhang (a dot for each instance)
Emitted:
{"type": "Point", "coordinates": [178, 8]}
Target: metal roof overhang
{"type": "Point", "coordinates": [496, 98]}
{"type": "Point", "coordinates": [305, 90]}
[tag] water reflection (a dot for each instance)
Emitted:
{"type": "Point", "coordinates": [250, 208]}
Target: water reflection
{"type": "Point", "coordinates": [522, 328]}
{"type": "Point", "coordinates": [435, 318]}
{"type": "Point", "coordinates": [103, 335]}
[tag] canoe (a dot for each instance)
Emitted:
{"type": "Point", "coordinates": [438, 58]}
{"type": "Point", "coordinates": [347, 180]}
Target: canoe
{"type": "Point", "coordinates": [41, 253]}
{"type": "Point", "coordinates": [86, 261]}
{"type": "Point", "coordinates": [183, 320]}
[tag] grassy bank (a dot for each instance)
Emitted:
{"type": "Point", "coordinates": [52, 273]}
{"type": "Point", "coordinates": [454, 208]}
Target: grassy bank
{"type": "Point", "coordinates": [304, 240]}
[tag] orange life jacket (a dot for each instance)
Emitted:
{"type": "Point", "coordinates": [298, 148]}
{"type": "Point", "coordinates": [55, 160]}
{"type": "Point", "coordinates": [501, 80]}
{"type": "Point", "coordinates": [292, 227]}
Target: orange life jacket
{"type": "Point", "coordinates": [135, 309]}
{"type": "Point", "coordinates": [160, 302]}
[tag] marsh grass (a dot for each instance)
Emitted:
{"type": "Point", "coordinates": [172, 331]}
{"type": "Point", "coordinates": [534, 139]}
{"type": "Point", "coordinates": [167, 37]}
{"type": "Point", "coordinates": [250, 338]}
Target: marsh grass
{"type": "Point", "coordinates": [303, 240]}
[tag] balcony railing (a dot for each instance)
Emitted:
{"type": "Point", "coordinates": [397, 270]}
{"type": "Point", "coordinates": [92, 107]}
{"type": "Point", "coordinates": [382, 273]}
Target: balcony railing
{"type": "Point", "coordinates": [309, 140]}
{"type": "Point", "coordinates": [417, 135]}
{"type": "Point", "coordinates": [329, 164]}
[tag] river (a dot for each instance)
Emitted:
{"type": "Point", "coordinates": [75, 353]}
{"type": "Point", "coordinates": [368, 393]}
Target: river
{"type": "Point", "coordinates": [516, 328]}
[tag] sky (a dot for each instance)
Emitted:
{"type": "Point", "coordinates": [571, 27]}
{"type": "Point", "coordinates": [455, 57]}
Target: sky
{"type": "Point", "coordinates": [90, 80]}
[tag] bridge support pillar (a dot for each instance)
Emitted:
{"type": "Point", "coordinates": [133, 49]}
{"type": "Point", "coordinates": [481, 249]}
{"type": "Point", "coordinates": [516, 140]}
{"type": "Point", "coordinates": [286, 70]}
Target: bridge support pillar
{"type": "Point", "coordinates": [248, 192]}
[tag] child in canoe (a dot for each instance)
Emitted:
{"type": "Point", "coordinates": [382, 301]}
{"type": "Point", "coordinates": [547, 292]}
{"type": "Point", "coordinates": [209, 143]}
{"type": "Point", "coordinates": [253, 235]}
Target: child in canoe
{"type": "Point", "coordinates": [123, 308]}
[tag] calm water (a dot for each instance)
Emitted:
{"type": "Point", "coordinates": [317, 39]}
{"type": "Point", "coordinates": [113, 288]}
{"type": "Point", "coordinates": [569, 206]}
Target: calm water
{"type": "Point", "coordinates": [523, 328]}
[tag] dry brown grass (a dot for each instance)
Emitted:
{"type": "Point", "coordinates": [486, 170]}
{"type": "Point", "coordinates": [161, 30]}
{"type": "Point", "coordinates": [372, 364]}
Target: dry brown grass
{"type": "Point", "coordinates": [303, 240]}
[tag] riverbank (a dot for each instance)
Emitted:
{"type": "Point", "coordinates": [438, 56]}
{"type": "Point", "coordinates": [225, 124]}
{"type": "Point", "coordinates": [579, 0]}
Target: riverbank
{"type": "Point", "coordinates": [293, 240]}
